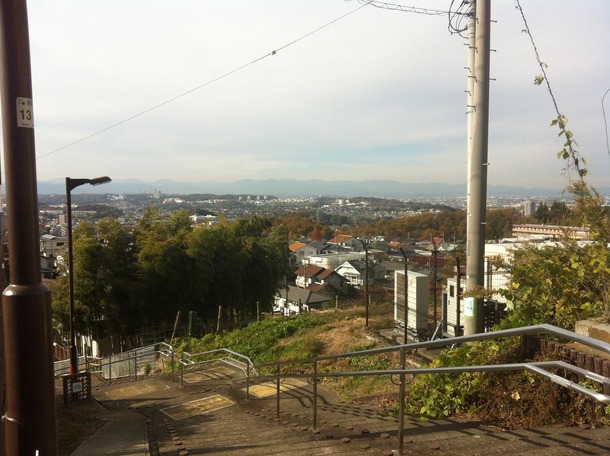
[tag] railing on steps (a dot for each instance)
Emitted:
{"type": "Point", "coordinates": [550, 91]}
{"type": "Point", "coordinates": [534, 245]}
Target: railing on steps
{"type": "Point", "coordinates": [125, 364]}
{"type": "Point", "coordinates": [218, 356]}
{"type": "Point", "coordinates": [309, 368]}
{"type": "Point", "coordinates": [405, 374]}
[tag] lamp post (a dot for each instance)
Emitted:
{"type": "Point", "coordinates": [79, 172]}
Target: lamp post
{"type": "Point", "coordinates": [71, 184]}
{"type": "Point", "coordinates": [366, 283]}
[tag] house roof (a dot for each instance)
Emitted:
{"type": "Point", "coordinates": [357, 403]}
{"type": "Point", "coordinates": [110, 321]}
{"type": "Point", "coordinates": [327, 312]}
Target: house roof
{"type": "Point", "coordinates": [299, 294]}
{"type": "Point", "coordinates": [318, 245]}
{"type": "Point", "coordinates": [340, 239]}
{"type": "Point", "coordinates": [322, 287]}
{"type": "Point", "coordinates": [326, 273]}
{"type": "Point", "coordinates": [311, 270]}
{"type": "Point", "coordinates": [296, 246]}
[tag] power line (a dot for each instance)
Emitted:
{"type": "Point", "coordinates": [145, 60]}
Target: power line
{"type": "Point", "coordinates": [403, 8]}
{"type": "Point", "coordinates": [188, 92]}
{"type": "Point", "coordinates": [606, 122]}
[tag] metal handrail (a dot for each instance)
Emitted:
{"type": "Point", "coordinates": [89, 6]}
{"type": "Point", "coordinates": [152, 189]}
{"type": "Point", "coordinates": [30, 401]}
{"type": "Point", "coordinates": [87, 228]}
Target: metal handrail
{"type": "Point", "coordinates": [131, 355]}
{"type": "Point", "coordinates": [539, 368]}
{"type": "Point", "coordinates": [234, 359]}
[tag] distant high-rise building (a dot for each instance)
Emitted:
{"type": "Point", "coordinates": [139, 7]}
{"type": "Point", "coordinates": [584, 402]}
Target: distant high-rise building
{"type": "Point", "coordinates": [529, 208]}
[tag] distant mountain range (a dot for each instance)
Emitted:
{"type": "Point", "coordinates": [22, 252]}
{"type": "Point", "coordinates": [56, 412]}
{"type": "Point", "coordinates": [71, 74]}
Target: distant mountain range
{"type": "Point", "coordinates": [298, 188]}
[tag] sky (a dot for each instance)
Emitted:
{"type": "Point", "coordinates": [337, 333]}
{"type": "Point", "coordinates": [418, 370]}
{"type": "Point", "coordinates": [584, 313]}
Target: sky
{"type": "Point", "coordinates": [191, 90]}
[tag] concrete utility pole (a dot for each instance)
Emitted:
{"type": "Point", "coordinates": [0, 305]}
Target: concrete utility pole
{"type": "Point", "coordinates": [30, 422]}
{"type": "Point", "coordinates": [477, 172]}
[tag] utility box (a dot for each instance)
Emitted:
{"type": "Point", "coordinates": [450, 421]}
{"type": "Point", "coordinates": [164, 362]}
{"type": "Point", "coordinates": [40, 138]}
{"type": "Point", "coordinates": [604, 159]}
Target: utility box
{"type": "Point", "coordinates": [417, 300]}
{"type": "Point", "coordinates": [453, 308]}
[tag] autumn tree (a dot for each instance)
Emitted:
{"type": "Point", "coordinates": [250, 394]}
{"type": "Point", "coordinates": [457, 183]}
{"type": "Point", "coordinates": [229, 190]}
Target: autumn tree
{"type": "Point", "coordinates": [316, 234]}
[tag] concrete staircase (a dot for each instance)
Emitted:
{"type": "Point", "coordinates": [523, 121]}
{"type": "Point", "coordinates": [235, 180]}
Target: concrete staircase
{"type": "Point", "coordinates": [210, 415]}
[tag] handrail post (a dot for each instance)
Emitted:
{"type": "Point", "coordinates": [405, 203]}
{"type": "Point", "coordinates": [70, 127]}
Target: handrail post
{"type": "Point", "coordinates": [110, 369]}
{"type": "Point", "coordinates": [247, 381]}
{"type": "Point", "coordinates": [182, 369]}
{"type": "Point", "coordinates": [277, 386]}
{"type": "Point", "coordinates": [173, 366]}
{"type": "Point", "coordinates": [315, 393]}
{"type": "Point", "coordinates": [135, 364]}
{"type": "Point", "coordinates": [401, 398]}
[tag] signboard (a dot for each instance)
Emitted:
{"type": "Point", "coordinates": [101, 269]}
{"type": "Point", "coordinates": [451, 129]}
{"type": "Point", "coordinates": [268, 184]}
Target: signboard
{"type": "Point", "coordinates": [77, 387]}
{"type": "Point", "coordinates": [469, 307]}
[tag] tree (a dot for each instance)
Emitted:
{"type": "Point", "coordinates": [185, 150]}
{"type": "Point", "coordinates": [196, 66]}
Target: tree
{"type": "Point", "coordinates": [168, 272]}
{"type": "Point", "coordinates": [121, 306]}
{"type": "Point", "coordinates": [316, 234]}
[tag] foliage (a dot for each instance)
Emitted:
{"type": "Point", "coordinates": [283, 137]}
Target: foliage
{"type": "Point", "coordinates": [260, 341]}
{"type": "Point", "coordinates": [559, 285]}
{"type": "Point", "coordinates": [125, 280]}
{"type": "Point", "coordinates": [440, 395]}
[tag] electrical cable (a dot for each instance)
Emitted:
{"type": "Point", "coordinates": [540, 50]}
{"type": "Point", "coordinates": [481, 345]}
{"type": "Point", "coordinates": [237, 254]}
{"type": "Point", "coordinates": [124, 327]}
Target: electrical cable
{"type": "Point", "coordinates": [403, 8]}
{"type": "Point", "coordinates": [188, 92]}
{"type": "Point", "coordinates": [458, 17]}
{"type": "Point", "coordinates": [606, 122]}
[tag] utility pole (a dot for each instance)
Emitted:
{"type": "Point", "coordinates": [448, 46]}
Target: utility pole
{"type": "Point", "coordinates": [477, 171]}
{"type": "Point", "coordinates": [30, 421]}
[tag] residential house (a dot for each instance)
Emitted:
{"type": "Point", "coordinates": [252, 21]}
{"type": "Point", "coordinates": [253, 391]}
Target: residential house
{"type": "Point", "coordinates": [306, 275]}
{"type": "Point", "coordinates": [302, 251]}
{"type": "Point", "coordinates": [333, 260]}
{"type": "Point", "coordinates": [320, 280]}
{"type": "Point", "coordinates": [51, 245]}
{"type": "Point", "coordinates": [292, 300]}
{"type": "Point", "coordinates": [355, 273]}
{"type": "Point", "coordinates": [344, 240]}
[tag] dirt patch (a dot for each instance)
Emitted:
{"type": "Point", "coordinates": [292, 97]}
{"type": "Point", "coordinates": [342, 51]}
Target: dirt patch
{"type": "Point", "coordinates": [76, 421]}
{"type": "Point", "coordinates": [344, 336]}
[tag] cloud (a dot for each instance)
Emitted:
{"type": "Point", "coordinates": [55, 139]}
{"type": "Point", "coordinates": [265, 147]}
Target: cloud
{"type": "Point", "coordinates": [376, 94]}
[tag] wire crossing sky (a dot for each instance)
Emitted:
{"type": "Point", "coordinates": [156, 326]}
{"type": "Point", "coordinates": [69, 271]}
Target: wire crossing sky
{"type": "Point", "coordinates": [373, 95]}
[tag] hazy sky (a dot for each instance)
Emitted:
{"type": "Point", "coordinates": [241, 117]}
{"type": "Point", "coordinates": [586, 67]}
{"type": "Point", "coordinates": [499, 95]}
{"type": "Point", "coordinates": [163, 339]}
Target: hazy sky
{"type": "Point", "coordinates": [377, 94]}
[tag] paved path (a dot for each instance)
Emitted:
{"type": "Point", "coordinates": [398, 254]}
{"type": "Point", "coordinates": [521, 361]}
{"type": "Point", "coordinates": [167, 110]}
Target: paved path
{"type": "Point", "coordinates": [209, 415]}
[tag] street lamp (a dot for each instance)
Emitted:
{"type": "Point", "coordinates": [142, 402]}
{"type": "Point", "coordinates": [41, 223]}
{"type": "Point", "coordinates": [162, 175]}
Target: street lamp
{"type": "Point", "coordinates": [366, 283]}
{"type": "Point", "coordinates": [71, 184]}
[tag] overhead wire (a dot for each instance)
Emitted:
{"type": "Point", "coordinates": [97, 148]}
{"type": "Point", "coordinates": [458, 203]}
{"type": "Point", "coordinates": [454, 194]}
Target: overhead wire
{"type": "Point", "coordinates": [188, 92]}
{"type": "Point", "coordinates": [403, 8]}
{"type": "Point", "coordinates": [606, 122]}
{"type": "Point", "coordinates": [458, 17]}
{"type": "Point", "coordinates": [454, 16]}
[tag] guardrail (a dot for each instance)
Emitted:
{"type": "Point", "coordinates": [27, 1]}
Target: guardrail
{"type": "Point", "coordinates": [220, 355]}
{"type": "Point", "coordinates": [406, 374]}
{"type": "Point", "coordinates": [132, 362]}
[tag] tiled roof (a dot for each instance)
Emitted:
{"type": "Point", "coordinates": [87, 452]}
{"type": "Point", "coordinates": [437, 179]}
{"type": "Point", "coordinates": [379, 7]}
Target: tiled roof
{"type": "Point", "coordinates": [296, 246]}
{"type": "Point", "coordinates": [310, 270]}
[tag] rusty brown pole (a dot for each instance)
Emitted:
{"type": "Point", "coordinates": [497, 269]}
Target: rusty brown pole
{"type": "Point", "coordinates": [30, 421]}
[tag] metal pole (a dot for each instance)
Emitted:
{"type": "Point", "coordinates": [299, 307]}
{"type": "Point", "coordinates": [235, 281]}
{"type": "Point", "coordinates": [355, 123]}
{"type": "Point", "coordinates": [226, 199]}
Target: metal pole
{"type": "Point", "coordinates": [182, 369]}
{"type": "Point", "coordinates": [435, 278]}
{"type": "Point", "coordinates": [248, 381]}
{"type": "Point", "coordinates": [458, 298]}
{"type": "Point", "coordinates": [475, 239]}
{"type": "Point", "coordinates": [366, 284]}
{"type": "Point", "coordinates": [73, 352]}
{"type": "Point", "coordinates": [315, 394]}
{"type": "Point", "coordinates": [30, 421]}
{"type": "Point", "coordinates": [401, 398]}
{"type": "Point", "coordinates": [406, 285]}
{"type": "Point", "coordinates": [277, 397]}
